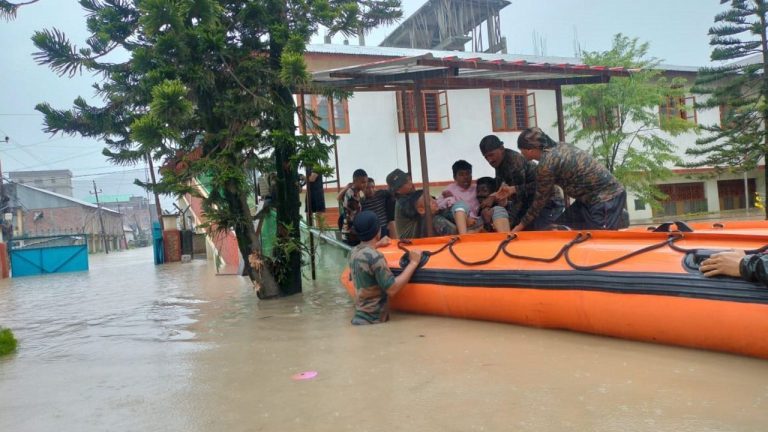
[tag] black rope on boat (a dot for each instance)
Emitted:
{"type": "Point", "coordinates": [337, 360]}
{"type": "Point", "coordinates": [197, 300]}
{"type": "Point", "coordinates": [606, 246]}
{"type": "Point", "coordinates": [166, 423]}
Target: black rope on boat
{"type": "Point", "coordinates": [668, 242]}
{"type": "Point", "coordinates": [502, 245]}
{"type": "Point", "coordinates": [580, 238]}
{"type": "Point", "coordinates": [424, 255]}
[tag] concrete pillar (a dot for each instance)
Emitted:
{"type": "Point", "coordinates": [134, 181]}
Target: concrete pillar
{"type": "Point", "coordinates": [710, 193]}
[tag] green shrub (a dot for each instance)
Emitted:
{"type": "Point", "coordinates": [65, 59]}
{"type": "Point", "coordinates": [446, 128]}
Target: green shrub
{"type": "Point", "coordinates": [7, 341]}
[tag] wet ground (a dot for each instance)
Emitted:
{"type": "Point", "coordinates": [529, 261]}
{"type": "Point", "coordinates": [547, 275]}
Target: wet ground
{"type": "Point", "coordinates": [130, 346]}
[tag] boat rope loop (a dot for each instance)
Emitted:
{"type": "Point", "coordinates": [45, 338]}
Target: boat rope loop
{"type": "Point", "coordinates": [500, 248]}
{"type": "Point", "coordinates": [708, 252]}
{"type": "Point", "coordinates": [668, 242]}
{"type": "Point", "coordinates": [580, 238]}
{"type": "Point", "coordinates": [564, 251]}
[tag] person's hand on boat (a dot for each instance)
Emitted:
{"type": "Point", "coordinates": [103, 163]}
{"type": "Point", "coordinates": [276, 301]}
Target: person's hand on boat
{"type": "Point", "coordinates": [723, 264]}
{"type": "Point", "coordinates": [414, 256]}
{"type": "Point", "coordinates": [383, 242]}
{"type": "Point", "coordinates": [518, 227]}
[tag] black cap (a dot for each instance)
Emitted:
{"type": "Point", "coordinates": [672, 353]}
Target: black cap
{"type": "Point", "coordinates": [366, 225]}
{"type": "Point", "coordinates": [396, 179]}
{"type": "Point", "coordinates": [490, 142]}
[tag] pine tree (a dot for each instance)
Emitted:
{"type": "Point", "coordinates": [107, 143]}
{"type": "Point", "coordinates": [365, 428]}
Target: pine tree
{"type": "Point", "coordinates": [208, 91]}
{"type": "Point", "coordinates": [620, 120]}
{"type": "Point", "coordinates": [738, 88]}
{"type": "Point", "coordinates": [9, 10]}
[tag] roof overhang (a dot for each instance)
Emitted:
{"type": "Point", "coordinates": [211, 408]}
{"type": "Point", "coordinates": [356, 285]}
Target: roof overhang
{"type": "Point", "coordinates": [462, 73]}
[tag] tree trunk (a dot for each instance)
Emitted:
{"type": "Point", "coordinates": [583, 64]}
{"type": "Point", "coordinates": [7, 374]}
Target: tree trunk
{"type": "Point", "coordinates": [764, 46]}
{"type": "Point", "coordinates": [284, 132]}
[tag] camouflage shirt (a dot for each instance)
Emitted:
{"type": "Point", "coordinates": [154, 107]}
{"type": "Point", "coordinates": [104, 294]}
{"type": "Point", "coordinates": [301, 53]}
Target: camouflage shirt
{"type": "Point", "coordinates": [581, 176]}
{"type": "Point", "coordinates": [352, 206]}
{"type": "Point", "coordinates": [371, 277]}
{"type": "Point", "coordinates": [410, 224]}
{"type": "Point", "coordinates": [516, 170]}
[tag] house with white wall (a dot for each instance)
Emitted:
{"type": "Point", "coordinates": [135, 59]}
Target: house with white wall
{"type": "Point", "coordinates": [373, 130]}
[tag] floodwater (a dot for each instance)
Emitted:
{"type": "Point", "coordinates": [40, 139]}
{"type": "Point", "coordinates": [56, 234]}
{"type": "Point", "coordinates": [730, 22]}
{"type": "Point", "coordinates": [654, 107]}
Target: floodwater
{"type": "Point", "coordinates": [130, 346]}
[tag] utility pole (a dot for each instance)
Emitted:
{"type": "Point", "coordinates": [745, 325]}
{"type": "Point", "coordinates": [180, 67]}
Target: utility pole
{"type": "Point", "coordinates": [122, 227]}
{"type": "Point", "coordinates": [2, 191]}
{"type": "Point", "coordinates": [101, 220]}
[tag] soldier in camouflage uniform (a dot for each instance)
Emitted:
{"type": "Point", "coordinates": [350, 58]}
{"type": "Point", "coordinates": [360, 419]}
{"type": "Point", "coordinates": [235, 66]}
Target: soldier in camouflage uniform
{"type": "Point", "coordinates": [516, 180]}
{"type": "Point", "coordinates": [409, 212]}
{"type": "Point", "coordinates": [410, 218]}
{"type": "Point", "coordinates": [599, 198]}
{"type": "Point", "coordinates": [752, 268]}
{"type": "Point", "coordinates": [373, 280]}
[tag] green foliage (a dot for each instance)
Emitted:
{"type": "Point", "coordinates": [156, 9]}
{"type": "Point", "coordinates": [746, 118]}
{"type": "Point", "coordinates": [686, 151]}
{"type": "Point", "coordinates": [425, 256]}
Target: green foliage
{"type": "Point", "coordinates": [620, 120]}
{"type": "Point", "coordinates": [739, 141]}
{"type": "Point", "coordinates": [9, 10]}
{"type": "Point", "coordinates": [738, 88]}
{"type": "Point", "coordinates": [207, 91]}
{"type": "Point", "coordinates": [7, 341]}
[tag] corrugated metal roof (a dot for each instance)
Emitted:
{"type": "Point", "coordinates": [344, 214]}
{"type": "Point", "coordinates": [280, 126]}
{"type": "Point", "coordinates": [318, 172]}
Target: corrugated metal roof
{"type": "Point", "coordinates": [64, 197]}
{"type": "Point", "coordinates": [459, 72]}
{"type": "Point", "coordinates": [411, 52]}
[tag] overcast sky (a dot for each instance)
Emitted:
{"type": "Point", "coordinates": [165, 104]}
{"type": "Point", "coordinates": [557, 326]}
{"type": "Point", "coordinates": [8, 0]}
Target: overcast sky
{"type": "Point", "coordinates": [676, 30]}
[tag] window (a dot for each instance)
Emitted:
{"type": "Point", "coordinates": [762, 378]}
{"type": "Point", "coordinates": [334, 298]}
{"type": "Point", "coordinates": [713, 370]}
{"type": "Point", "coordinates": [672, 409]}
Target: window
{"type": "Point", "coordinates": [435, 105]}
{"type": "Point", "coordinates": [610, 119]}
{"type": "Point", "coordinates": [682, 198]}
{"type": "Point", "coordinates": [512, 110]}
{"type": "Point", "coordinates": [681, 107]}
{"type": "Point", "coordinates": [639, 204]}
{"type": "Point", "coordinates": [321, 106]}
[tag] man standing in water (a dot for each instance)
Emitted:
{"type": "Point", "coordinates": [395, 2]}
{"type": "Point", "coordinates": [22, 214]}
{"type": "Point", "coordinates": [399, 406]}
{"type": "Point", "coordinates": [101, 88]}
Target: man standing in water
{"type": "Point", "coordinates": [373, 280]}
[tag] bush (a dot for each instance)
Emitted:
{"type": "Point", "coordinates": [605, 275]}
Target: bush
{"type": "Point", "coordinates": [7, 341]}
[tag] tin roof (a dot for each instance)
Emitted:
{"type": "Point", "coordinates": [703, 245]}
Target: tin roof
{"type": "Point", "coordinates": [392, 52]}
{"type": "Point", "coordinates": [463, 72]}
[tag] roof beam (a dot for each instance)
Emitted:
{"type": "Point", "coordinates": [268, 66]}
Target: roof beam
{"type": "Point", "coordinates": [524, 67]}
{"type": "Point", "coordinates": [366, 78]}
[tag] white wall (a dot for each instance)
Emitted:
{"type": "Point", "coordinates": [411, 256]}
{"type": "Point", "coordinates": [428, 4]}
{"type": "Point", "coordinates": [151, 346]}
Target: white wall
{"type": "Point", "coordinates": [375, 145]}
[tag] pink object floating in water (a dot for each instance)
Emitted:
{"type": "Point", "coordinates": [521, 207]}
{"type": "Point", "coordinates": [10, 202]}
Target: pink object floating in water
{"type": "Point", "coordinates": [304, 375]}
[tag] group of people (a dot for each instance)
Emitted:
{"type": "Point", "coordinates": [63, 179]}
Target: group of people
{"type": "Point", "coordinates": [524, 195]}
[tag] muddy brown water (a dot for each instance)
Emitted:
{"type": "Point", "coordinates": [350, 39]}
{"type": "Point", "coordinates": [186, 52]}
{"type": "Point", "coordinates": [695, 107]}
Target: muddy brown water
{"type": "Point", "coordinates": [130, 346]}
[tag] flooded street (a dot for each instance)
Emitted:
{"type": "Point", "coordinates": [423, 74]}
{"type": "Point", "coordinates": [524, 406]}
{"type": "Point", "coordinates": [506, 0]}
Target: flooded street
{"type": "Point", "coordinates": [130, 346]}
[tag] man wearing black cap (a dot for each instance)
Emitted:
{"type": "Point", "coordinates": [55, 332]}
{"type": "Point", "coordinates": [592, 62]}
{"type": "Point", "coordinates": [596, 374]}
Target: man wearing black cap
{"type": "Point", "coordinates": [373, 280]}
{"type": "Point", "coordinates": [410, 213]}
{"type": "Point", "coordinates": [516, 179]}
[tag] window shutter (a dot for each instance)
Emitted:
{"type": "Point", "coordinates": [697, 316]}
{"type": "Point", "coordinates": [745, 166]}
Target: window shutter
{"type": "Point", "coordinates": [497, 111]}
{"type": "Point", "coordinates": [531, 105]}
{"type": "Point", "coordinates": [690, 108]}
{"type": "Point", "coordinates": [445, 121]}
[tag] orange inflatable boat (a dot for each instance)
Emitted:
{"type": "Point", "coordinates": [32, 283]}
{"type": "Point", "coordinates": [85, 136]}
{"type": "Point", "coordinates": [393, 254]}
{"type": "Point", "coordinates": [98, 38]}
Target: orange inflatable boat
{"type": "Point", "coordinates": [636, 284]}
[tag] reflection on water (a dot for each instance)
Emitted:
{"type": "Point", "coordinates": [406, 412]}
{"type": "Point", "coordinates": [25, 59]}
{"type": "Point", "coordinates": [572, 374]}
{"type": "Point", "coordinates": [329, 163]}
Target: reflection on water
{"type": "Point", "coordinates": [130, 346]}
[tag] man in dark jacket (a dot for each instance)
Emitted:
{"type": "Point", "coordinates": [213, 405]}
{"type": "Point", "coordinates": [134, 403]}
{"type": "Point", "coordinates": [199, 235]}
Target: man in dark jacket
{"type": "Point", "coordinates": [752, 268]}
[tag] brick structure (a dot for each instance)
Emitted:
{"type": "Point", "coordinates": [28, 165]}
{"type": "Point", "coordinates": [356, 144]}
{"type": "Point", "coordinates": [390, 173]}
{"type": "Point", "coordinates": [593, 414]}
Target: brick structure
{"type": "Point", "coordinates": [39, 212]}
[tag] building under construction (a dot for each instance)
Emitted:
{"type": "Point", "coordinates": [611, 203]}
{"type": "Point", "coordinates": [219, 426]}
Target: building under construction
{"type": "Point", "coordinates": [452, 25]}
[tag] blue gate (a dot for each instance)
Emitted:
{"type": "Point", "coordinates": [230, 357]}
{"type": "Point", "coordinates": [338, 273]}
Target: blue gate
{"type": "Point", "coordinates": [48, 254]}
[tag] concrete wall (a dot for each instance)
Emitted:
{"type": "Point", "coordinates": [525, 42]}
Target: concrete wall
{"type": "Point", "coordinates": [375, 145]}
